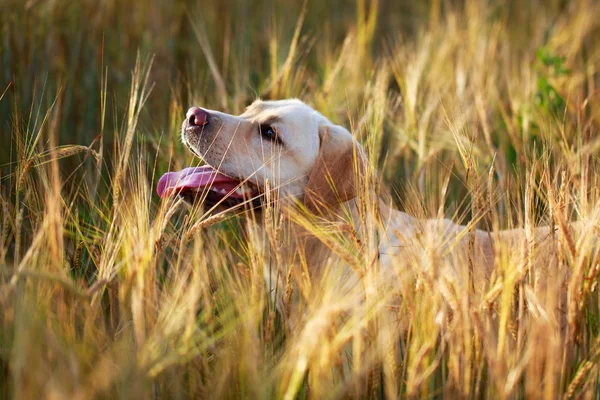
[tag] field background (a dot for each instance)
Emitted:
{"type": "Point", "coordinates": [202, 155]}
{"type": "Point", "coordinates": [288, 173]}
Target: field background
{"type": "Point", "coordinates": [481, 111]}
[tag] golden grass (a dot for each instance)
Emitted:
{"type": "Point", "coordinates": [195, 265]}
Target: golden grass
{"type": "Point", "coordinates": [486, 113]}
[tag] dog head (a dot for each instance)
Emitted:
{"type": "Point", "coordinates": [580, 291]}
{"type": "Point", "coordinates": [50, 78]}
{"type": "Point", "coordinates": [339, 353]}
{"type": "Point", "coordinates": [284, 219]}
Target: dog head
{"type": "Point", "coordinates": [299, 152]}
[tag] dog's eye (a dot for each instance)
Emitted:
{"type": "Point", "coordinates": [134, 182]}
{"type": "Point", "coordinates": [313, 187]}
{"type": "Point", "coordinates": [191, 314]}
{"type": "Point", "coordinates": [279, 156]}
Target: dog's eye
{"type": "Point", "coordinates": [270, 133]}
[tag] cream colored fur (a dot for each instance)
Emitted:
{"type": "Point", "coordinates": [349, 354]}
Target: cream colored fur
{"type": "Point", "coordinates": [318, 170]}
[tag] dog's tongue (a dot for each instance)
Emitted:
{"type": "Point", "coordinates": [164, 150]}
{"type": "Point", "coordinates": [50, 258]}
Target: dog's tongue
{"type": "Point", "coordinates": [193, 179]}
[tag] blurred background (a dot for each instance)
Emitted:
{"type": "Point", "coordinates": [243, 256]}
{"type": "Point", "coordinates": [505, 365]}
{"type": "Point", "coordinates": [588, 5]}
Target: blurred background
{"type": "Point", "coordinates": [76, 59]}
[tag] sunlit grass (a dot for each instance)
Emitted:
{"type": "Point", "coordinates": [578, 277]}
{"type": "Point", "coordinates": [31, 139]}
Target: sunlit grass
{"type": "Point", "coordinates": [485, 114]}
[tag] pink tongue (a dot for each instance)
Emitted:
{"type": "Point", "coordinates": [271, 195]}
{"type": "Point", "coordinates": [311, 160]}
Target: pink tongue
{"type": "Point", "coordinates": [193, 178]}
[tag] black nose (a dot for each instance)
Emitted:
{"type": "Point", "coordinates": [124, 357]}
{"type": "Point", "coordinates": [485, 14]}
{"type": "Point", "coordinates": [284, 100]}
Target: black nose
{"type": "Point", "coordinates": [196, 117]}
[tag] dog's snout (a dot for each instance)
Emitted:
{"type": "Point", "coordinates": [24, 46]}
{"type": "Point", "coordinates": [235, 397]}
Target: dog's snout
{"type": "Point", "coordinates": [196, 117]}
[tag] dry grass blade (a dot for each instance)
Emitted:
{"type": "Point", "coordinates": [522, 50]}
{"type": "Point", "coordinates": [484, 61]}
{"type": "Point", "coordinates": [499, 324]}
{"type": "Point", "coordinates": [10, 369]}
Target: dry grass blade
{"type": "Point", "coordinates": [201, 36]}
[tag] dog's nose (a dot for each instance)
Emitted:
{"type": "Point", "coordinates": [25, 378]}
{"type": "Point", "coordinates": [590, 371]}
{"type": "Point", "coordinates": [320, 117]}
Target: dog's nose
{"type": "Point", "coordinates": [196, 117]}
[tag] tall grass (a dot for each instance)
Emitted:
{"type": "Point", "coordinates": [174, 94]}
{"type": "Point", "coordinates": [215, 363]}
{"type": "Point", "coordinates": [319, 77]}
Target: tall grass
{"type": "Point", "coordinates": [483, 112]}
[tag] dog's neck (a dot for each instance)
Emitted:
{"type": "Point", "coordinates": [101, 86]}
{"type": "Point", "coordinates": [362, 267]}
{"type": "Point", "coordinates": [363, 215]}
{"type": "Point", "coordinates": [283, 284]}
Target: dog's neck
{"type": "Point", "coordinates": [292, 238]}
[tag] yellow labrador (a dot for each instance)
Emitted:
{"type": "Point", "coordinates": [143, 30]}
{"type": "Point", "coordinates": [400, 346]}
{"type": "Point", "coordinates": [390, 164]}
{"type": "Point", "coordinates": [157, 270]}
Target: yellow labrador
{"type": "Point", "coordinates": [308, 163]}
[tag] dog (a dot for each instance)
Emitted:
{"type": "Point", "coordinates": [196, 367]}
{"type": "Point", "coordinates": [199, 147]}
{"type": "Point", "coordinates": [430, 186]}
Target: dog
{"type": "Point", "coordinates": [285, 153]}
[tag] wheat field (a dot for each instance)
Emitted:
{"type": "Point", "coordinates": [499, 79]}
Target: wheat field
{"type": "Point", "coordinates": [485, 112]}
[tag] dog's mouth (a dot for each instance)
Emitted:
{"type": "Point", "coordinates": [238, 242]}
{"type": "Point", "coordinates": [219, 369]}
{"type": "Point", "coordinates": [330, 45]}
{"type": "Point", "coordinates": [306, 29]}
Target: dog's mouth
{"type": "Point", "coordinates": [205, 184]}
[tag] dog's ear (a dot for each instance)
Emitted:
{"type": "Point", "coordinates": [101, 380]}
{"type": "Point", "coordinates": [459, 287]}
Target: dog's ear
{"type": "Point", "coordinates": [338, 170]}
